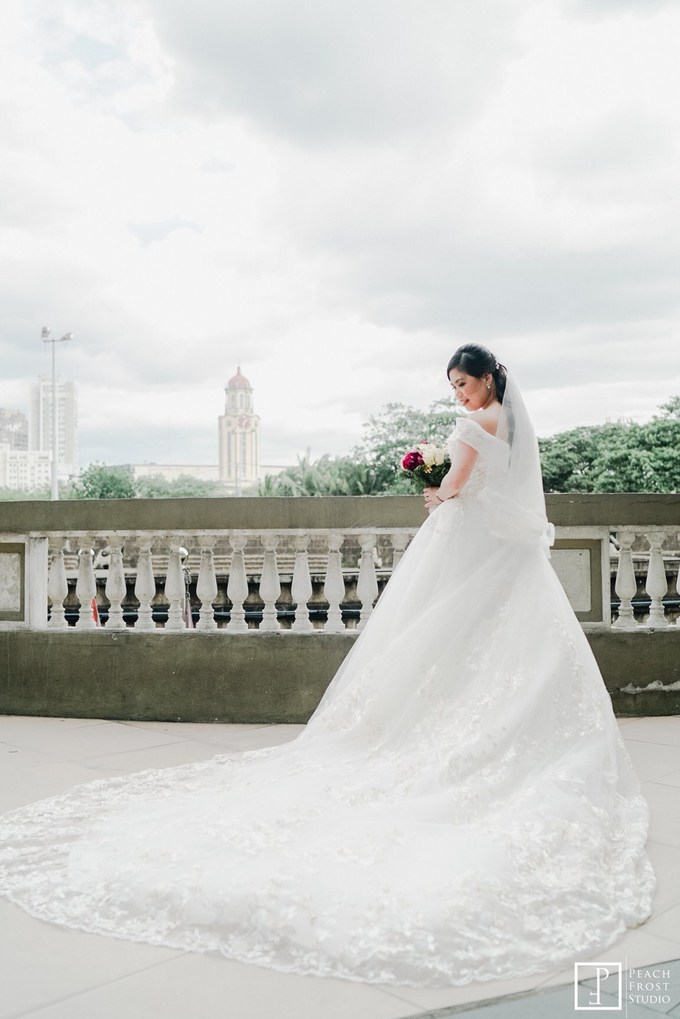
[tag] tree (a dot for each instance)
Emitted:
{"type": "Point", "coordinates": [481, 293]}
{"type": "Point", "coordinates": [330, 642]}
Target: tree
{"type": "Point", "coordinates": [24, 494]}
{"type": "Point", "coordinates": [98, 481]}
{"type": "Point", "coordinates": [321, 477]}
{"type": "Point", "coordinates": [616, 457]}
{"type": "Point", "coordinates": [643, 458]}
{"type": "Point", "coordinates": [568, 459]}
{"type": "Point", "coordinates": [155, 486]}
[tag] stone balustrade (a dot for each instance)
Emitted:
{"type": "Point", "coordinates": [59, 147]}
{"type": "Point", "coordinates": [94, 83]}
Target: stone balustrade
{"type": "Point", "coordinates": [143, 580]}
{"type": "Point", "coordinates": [313, 566]}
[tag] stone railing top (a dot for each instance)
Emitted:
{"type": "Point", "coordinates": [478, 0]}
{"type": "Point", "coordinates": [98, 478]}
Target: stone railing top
{"type": "Point", "coordinates": [319, 513]}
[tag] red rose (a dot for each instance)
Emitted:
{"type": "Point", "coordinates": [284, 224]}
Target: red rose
{"type": "Point", "coordinates": [412, 460]}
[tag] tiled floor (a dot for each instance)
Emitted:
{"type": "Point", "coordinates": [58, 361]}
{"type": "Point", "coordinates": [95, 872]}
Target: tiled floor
{"type": "Point", "coordinates": [49, 972]}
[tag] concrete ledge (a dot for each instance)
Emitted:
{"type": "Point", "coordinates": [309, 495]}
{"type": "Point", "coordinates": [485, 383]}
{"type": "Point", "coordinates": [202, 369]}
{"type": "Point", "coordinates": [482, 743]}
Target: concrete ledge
{"type": "Point", "coordinates": [613, 510]}
{"type": "Point", "coordinates": [187, 677]}
{"type": "Point", "coordinates": [640, 668]}
{"type": "Point", "coordinates": [208, 677]}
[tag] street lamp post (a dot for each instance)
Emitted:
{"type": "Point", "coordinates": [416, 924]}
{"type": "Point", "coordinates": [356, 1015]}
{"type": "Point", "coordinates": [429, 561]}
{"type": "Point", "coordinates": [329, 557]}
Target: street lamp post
{"type": "Point", "coordinates": [55, 417]}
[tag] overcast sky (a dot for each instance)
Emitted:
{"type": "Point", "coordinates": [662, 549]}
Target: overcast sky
{"type": "Point", "coordinates": [339, 193]}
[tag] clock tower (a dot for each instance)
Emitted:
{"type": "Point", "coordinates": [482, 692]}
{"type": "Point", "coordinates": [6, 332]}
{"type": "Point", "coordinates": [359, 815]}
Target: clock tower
{"type": "Point", "coordinates": [239, 433]}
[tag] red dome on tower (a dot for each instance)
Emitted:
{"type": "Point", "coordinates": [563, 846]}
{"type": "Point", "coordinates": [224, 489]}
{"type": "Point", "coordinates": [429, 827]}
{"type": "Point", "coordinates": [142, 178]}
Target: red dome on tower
{"type": "Point", "coordinates": [238, 381]}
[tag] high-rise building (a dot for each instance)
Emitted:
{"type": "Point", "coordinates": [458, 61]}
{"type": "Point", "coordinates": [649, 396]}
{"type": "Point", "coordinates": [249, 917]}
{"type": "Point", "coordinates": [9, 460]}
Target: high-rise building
{"type": "Point", "coordinates": [13, 428]}
{"type": "Point", "coordinates": [40, 423]}
{"type": "Point", "coordinates": [239, 436]}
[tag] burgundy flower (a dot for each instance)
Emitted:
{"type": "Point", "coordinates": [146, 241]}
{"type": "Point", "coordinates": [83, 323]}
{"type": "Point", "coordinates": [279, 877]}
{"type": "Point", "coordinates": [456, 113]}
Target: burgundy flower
{"type": "Point", "coordinates": [412, 460]}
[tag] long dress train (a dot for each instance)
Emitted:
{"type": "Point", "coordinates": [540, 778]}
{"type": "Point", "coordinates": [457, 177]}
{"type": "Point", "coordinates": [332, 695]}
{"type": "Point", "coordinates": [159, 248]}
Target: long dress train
{"type": "Point", "coordinates": [460, 806]}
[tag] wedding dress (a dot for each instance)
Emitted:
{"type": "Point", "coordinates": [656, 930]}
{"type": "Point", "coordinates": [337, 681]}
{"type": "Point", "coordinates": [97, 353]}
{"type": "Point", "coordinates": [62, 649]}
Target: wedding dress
{"type": "Point", "coordinates": [459, 807]}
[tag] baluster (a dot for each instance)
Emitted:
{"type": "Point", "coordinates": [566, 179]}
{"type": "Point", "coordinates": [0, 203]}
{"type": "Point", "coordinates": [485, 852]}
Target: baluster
{"type": "Point", "coordinates": [174, 585]}
{"type": "Point", "coordinates": [115, 584]}
{"type": "Point", "coordinates": [270, 587]}
{"type": "Point", "coordinates": [86, 586]}
{"type": "Point", "coordinates": [237, 587]}
{"type": "Point", "coordinates": [145, 585]}
{"type": "Point", "coordinates": [57, 585]}
{"type": "Point", "coordinates": [206, 586]}
{"type": "Point", "coordinates": [334, 585]}
{"type": "Point", "coordinates": [301, 588]}
{"type": "Point", "coordinates": [626, 585]}
{"type": "Point", "coordinates": [367, 584]}
{"type": "Point", "coordinates": [399, 543]}
{"type": "Point", "coordinates": [657, 584]}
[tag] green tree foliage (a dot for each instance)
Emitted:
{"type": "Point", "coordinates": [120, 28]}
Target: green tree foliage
{"type": "Point", "coordinates": [98, 481]}
{"type": "Point", "coordinates": [24, 494]}
{"type": "Point", "coordinates": [325, 476]}
{"type": "Point", "coordinates": [155, 486]}
{"type": "Point", "coordinates": [568, 459]}
{"type": "Point", "coordinates": [616, 457]}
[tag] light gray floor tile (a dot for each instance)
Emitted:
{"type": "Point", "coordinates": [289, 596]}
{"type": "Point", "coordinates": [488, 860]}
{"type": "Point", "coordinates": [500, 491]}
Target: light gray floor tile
{"type": "Point", "coordinates": [666, 863]}
{"type": "Point", "coordinates": [440, 997]}
{"type": "Point", "coordinates": [664, 804]}
{"type": "Point", "coordinates": [13, 758]}
{"type": "Point", "coordinates": [167, 755]}
{"type": "Point", "coordinates": [652, 760]}
{"type": "Point", "coordinates": [671, 779]}
{"type": "Point", "coordinates": [655, 729]}
{"type": "Point", "coordinates": [25, 725]}
{"type": "Point", "coordinates": [267, 736]}
{"type": "Point", "coordinates": [92, 741]}
{"type": "Point", "coordinates": [665, 923]}
{"type": "Point", "coordinates": [204, 732]}
{"type": "Point", "coordinates": [199, 986]}
{"type": "Point", "coordinates": [43, 963]}
{"type": "Point", "coordinates": [38, 783]}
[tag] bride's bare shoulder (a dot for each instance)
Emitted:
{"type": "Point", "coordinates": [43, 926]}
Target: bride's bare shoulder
{"type": "Point", "coordinates": [488, 419]}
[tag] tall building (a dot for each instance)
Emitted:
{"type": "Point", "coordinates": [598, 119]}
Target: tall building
{"type": "Point", "coordinates": [239, 438]}
{"type": "Point", "coordinates": [13, 428]}
{"type": "Point", "coordinates": [40, 423]}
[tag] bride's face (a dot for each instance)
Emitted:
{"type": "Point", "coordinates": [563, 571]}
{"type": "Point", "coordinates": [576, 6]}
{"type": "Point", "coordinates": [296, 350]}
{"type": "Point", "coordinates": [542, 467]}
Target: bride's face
{"type": "Point", "coordinates": [471, 392]}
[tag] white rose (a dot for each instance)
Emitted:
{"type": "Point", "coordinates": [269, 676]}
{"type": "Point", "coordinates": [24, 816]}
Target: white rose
{"type": "Point", "coordinates": [428, 451]}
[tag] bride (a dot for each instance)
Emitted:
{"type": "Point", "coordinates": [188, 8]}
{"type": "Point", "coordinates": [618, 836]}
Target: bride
{"type": "Point", "coordinates": [459, 807]}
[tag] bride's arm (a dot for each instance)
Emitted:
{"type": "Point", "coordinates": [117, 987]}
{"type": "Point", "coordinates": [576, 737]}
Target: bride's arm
{"type": "Point", "coordinates": [454, 480]}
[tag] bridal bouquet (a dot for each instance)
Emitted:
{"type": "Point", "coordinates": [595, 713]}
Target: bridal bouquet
{"type": "Point", "coordinates": [426, 464]}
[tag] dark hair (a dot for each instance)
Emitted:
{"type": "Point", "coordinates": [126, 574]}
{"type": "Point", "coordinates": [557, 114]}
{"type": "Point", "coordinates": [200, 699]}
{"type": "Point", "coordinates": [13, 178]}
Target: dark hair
{"type": "Point", "coordinates": [476, 360]}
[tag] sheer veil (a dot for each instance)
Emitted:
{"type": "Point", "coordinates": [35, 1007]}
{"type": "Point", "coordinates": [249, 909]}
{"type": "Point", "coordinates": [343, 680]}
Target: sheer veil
{"type": "Point", "coordinates": [515, 505]}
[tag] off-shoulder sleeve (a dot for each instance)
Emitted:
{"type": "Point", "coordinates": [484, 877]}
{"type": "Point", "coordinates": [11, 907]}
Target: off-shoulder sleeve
{"type": "Point", "coordinates": [471, 433]}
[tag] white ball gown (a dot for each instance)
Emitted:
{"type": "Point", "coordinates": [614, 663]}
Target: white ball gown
{"type": "Point", "coordinates": [459, 807]}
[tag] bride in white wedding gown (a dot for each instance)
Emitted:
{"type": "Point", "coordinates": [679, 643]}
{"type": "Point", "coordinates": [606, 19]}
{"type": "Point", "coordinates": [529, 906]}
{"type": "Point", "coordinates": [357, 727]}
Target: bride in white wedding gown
{"type": "Point", "coordinates": [459, 807]}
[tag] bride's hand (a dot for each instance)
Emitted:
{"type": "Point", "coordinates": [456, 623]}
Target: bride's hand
{"type": "Point", "coordinates": [432, 497]}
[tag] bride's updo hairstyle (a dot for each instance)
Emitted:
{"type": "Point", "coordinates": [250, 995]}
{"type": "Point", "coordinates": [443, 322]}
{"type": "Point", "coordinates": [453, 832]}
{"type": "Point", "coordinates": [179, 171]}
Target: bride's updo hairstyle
{"type": "Point", "coordinates": [476, 360]}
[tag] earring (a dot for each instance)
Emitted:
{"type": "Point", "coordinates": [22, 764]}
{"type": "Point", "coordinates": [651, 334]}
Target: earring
{"type": "Point", "coordinates": [488, 386]}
